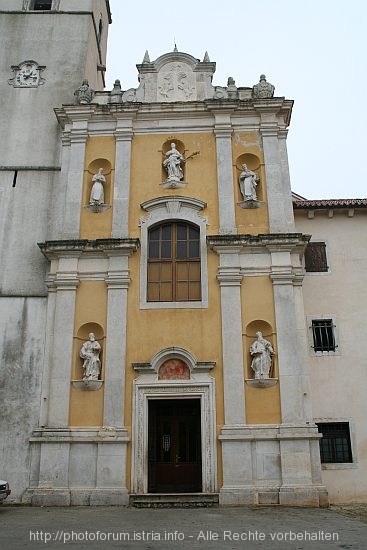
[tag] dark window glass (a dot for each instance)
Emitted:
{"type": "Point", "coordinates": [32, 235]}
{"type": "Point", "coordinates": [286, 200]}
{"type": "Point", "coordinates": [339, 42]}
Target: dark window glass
{"type": "Point", "coordinates": [42, 5]}
{"type": "Point", "coordinates": [174, 272]}
{"type": "Point", "coordinates": [323, 335]}
{"type": "Point", "coordinates": [315, 257]}
{"type": "Point", "coordinates": [335, 444]}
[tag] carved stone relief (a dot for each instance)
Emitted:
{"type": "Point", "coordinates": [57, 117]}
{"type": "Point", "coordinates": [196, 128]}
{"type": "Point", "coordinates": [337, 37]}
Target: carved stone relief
{"type": "Point", "coordinates": [176, 82]}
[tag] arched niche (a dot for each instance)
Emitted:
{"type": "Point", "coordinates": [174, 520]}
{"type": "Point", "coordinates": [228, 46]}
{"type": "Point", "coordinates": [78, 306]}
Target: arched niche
{"type": "Point", "coordinates": [259, 325]}
{"type": "Point", "coordinates": [254, 164]}
{"type": "Point", "coordinates": [80, 337]}
{"type": "Point", "coordinates": [174, 369]}
{"type": "Point", "coordinates": [91, 171]}
{"type": "Point", "coordinates": [166, 146]}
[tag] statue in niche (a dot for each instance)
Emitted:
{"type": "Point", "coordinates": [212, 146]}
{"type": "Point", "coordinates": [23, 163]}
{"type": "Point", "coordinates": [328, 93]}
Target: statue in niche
{"type": "Point", "coordinates": [172, 164]}
{"type": "Point", "coordinates": [248, 182]}
{"type": "Point", "coordinates": [84, 94]}
{"type": "Point", "coordinates": [263, 90]}
{"type": "Point", "coordinates": [97, 192]}
{"type": "Point", "coordinates": [261, 351]}
{"type": "Point", "coordinates": [90, 353]}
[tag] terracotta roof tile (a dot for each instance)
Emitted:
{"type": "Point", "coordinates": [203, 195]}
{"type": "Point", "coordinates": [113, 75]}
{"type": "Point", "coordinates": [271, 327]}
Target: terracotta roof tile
{"type": "Point", "coordinates": [329, 203]}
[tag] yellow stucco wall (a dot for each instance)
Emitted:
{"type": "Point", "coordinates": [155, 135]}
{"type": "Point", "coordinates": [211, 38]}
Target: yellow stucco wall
{"type": "Point", "coordinates": [147, 174]}
{"type": "Point", "coordinates": [246, 148]}
{"type": "Point", "coordinates": [262, 404]}
{"type": "Point", "coordinates": [100, 153]}
{"type": "Point", "coordinates": [86, 407]}
{"type": "Point", "coordinates": [196, 330]}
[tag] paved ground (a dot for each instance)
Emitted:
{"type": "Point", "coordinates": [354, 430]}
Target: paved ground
{"type": "Point", "coordinates": [197, 529]}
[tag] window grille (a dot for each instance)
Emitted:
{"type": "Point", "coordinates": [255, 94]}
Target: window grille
{"type": "Point", "coordinates": [315, 257]}
{"type": "Point", "coordinates": [323, 335]}
{"type": "Point", "coordinates": [335, 445]}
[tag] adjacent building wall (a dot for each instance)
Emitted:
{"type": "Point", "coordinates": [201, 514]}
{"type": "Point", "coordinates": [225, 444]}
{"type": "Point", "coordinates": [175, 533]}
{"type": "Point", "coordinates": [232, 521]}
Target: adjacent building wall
{"type": "Point", "coordinates": [338, 379]}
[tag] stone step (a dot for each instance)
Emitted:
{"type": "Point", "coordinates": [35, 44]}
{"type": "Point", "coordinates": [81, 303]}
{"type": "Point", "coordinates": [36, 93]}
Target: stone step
{"type": "Point", "coordinates": [174, 500]}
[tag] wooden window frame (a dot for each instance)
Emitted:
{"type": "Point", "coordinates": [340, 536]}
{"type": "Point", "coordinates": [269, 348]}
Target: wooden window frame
{"type": "Point", "coordinates": [172, 287]}
{"type": "Point", "coordinates": [315, 257]}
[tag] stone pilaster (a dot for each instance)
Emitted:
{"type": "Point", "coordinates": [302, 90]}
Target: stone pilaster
{"type": "Point", "coordinates": [229, 278]}
{"type": "Point", "coordinates": [73, 195]}
{"type": "Point", "coordinates": [279, 195]}
{"type": "Point", "coordinates": [120, 217]}
{"type": "Point", "coordinates": [118, 283]}
{"type": "Point", "coordinates": [66, 282]}
{"type": "Point", "coordinates": [223, 136]}
{"type": "Point", "coordinates": [50, 329]}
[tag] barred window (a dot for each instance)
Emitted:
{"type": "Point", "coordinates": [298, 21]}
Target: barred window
{"type": "Point", "coordinates": [323, 335]}
{"type": "Point", "coordinates": [315, 257]}
{"type": "Point", "coordinates": [174, 267]}
{"type": "Point", "coordinates": [335, 445]}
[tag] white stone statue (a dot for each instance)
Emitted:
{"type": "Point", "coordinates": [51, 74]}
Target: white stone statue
{"type": "Point", "coordinates": [261, 351]}
{"type": "Point", "coordinates": [90, 353]}
{"type": "Point", "coordinates": [97, 192]}
{"type": "Point", "coordinates": [248, 183]}
{"type": "Point", "coordinates": [84, 94]}
{"type": "Point", "coordinates": [263, 90]}
{"type": "Point", "coordinates": [172, 164]}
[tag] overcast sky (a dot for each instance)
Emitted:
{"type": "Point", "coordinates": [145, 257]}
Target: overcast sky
{"type": "Point", "coordinates": [313, 51]}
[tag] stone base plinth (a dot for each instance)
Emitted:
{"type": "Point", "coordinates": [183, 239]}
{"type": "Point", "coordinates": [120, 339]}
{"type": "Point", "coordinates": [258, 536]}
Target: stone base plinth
{"type": "Point", "coordinates": [76, 497]}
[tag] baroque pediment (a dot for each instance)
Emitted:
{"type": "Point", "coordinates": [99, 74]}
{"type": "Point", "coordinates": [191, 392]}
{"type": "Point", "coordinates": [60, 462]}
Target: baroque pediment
{"type": "Point", "coordinates": [174, 76]}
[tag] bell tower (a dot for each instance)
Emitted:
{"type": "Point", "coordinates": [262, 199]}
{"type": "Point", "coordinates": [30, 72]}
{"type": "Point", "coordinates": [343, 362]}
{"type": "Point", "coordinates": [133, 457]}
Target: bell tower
{"type": "Point", "coordinates": [48, 47]}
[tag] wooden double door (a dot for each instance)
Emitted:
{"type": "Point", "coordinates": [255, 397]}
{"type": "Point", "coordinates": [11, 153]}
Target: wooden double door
{"type": "Point", "coordinates": [174, 454]}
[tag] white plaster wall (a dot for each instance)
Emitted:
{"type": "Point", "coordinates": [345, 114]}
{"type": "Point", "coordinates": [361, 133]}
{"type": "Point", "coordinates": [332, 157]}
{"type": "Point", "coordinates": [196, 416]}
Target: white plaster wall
{"type": "Point", "coordinates": [29, 131]}
{"type": "Point", "coordinates": [22, 330]}
{"type": "Point", "coordinates": [23, 222]}
{"type": "Point", "coordinates": [338, 381]}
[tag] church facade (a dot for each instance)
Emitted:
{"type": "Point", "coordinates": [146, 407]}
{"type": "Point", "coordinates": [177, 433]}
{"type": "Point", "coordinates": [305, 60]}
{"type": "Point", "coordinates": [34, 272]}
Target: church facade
{"type": "Point", "coordinates": [165, 311]}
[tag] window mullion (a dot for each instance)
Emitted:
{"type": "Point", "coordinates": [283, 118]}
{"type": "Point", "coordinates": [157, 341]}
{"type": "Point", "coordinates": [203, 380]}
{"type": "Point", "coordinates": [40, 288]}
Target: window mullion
{"type": "Point", "coordinates": [174, 260]}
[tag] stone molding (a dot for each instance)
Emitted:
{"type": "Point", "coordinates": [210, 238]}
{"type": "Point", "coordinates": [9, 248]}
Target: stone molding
{"type": "Point", "coordinates": [174, 353]}
{"type": "Point", "coordinates": [105, 434]}
{"type": "Point", "coordinates": [144, 390]}
{"type": "Point", "coordinates": [99, 247]}
{"type": "Point", "coordinates": [162, 209]}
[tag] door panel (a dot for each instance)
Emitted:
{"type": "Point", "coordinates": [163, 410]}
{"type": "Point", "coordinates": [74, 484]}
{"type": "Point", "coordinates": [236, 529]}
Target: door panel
{"type": "Point", "coordinates": [174, 445]}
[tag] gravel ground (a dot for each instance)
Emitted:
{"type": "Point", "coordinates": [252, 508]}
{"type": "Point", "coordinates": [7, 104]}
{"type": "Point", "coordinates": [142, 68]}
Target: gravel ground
{"type": "Point", "coordinates": [354, 511]}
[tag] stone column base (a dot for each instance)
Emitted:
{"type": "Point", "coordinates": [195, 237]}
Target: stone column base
{"type": "Point", "coordinates": [308, 495]}
{"type": "Point", "coordinates": [76, 497]}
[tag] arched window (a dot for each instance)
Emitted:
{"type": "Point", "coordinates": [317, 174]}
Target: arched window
{"type": "Point", "coordinates": [174, 263]}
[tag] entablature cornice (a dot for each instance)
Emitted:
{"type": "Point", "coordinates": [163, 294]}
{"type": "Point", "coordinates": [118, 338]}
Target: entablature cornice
{"type": "Point", "coordinates": [270, 113]}
{"type": "Point", "coordinates": [74, 248]}
{"type": "Point", "coordinates": [272, 242]}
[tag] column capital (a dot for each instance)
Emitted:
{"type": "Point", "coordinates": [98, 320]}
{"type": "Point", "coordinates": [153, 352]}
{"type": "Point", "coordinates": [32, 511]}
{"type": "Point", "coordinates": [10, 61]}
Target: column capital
{"type": "Point", "coordinates": [118, 280]}
{"type": "Point", "coordinates": [223, 132]}
{"type": "Point", "coordinates": [67, 281]}
{"type": "Point", "coordinates": [229, 279]}
{"type": "Point", "coordinates": [123, 134]}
